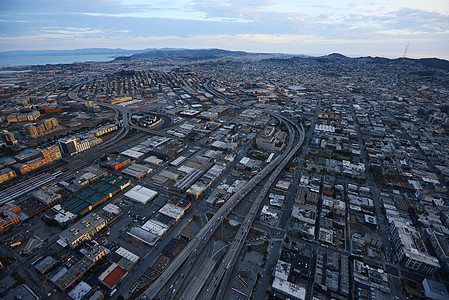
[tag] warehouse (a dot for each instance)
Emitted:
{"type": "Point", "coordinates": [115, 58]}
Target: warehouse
{"type": "Point", "coordinates": [132, 153]}
{"type": "Point", "coordinates": [169, 150]}
{"type": "Point", "coordinates": [153, 160]}
{"type": "Point", "coordinates": [137, 171]}
{"type": "Point", "coordinates": [143, 235]}
{"type": "Point", "coordinates": [172, 211]}
{"type": "Point", "coordinates": [141, 194]}
{"type": "Point", "coordinates": [155, 227]}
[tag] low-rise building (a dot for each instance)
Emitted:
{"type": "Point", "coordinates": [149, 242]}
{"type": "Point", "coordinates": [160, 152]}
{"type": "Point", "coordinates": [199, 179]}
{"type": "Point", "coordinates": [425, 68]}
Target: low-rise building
{"type": "Point", "coordinates": [47, 156]}
{"type": "Point", "coordinates": [410, 249]}
{"type": "Point", "coordinates": [10, 215]}
{"type": "Point", "coordinates": [86, 228]}
{"type": "Point", "coordinates": [7, 174]}
{"type": "Point", "coordinates": [141, 194]}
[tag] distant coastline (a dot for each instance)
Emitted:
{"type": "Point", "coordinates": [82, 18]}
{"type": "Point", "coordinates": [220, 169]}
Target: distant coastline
{"type": "Point", "coordinates": [33, 60]}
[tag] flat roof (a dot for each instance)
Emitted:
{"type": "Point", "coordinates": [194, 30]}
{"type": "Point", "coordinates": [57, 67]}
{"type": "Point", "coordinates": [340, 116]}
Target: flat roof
{"type": "Point", "coordinates": [171, 211]}
{"type": "Point", "coordinates": [143, 235]}
{"type": "Point", "coordinates": [114, 275]}
{"type": "Point", "coordinates": [132, 154]}
{"type": "Point", "coordinates": [291, 289]}
{"type": "Point", "coordinates": [409, 237]}
{"type": "Point", "coordinates": [155, 227]}
{"type": "Point", "coordinates": [127, 254]}
{"type": "Point", "coordinates": [153, 160]}
{"type": "Point", "coordinates": [79, 291]}
{"type": "Point", "coordinates": [141, 194]}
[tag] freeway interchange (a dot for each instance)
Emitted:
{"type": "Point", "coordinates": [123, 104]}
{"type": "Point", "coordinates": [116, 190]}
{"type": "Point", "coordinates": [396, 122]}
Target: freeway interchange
{"type": "Point", "coordinates": [214, 288]}
{"type": "Point", "coordinates": [187, 257]}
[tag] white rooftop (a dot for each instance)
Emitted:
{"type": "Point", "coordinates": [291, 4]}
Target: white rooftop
{"type": "Point", "coordinates": [155, 227]}
{"type": "Point", "coordinates": [127, 254]}
{"type": "Point", "coordinates": [291, 289]}
{"type": "Point", "coordinates": [132, 154]}
{"type": "Point", "coordinates": [80, 291]}
{"type": "Point", "coordinates": [141, 194]}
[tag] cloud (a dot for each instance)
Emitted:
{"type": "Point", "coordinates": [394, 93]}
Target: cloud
{"type": "Point", "coordinates": [266, 25]}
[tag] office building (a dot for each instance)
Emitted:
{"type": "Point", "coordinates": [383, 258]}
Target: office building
{"type": "Point", "coordinates": [410, 249]}
{"type": "Point", "coordinates": [8, 137]}
{"type": "Point", "coordinates": [68, 146]}
{"type": "Point", "coordinates": [32, 130]}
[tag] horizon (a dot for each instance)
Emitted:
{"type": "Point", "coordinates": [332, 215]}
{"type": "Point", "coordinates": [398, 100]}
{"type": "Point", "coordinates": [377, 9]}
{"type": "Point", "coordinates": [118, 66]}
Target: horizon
{"type": "Point", "coordinates": [269, 26]}
{"type": "Point", "coordinates": [251, 52]}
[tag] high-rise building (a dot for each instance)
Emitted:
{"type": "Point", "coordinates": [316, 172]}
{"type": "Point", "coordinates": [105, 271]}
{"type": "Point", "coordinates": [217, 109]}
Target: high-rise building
{"type": "Point", "coordinates": [52, 153]}
{"type": "Point", "coordinates": [68, 146]}
{"type": "Point", "coordinates": [54, 122]}
{"type": "Point", "coordinates": [47, 124]}
{"type": "Point", "coordinates": [32, 130]}
{"type": "Point", "coordinates": [50, 123]}
{"type": "Point", "coordinates": [8, 137]}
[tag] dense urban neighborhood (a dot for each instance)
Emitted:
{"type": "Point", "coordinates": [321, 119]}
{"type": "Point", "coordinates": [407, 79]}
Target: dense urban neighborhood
{"type": "Point", "coordinates": [213, 174]}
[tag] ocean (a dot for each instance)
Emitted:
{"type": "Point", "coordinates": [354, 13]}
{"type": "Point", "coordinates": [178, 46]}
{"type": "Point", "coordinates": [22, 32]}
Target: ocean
{"type": "Point", "coordinates": [15, 61]}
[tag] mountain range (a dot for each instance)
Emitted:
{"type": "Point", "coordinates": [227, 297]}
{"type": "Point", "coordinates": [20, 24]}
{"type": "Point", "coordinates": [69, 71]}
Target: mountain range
{"type": "Point", "coordinates": [205, 54]}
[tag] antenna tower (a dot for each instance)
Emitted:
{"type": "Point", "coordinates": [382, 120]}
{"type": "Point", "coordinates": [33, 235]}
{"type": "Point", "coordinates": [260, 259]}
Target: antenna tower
{"type": "Point", "coordinates": [405, 51]}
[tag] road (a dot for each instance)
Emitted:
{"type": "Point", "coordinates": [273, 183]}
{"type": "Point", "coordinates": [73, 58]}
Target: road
{"type": "Point", "coordinates": [126, 120]}
{"type": "Point", "coordinates": [201, 239]}
{"type": "Point", "coordinates": [381, 220]}
{"type": "Point", "coordinates": [222, 275]}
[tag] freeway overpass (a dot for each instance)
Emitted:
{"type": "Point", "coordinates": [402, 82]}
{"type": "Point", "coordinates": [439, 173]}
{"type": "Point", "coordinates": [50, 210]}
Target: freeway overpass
{"type": "Point", "coordinates": [224, 271]}
{"type": "Point", "coordinates": [126, 119]}
{"type": "Point", "coordinates": [190, 252]}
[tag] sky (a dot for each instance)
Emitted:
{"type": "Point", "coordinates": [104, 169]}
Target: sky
{"type": "Point", "coordinates": [311, 27]}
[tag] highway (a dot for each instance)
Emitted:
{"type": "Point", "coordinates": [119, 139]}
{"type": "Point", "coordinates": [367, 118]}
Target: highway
{"type": "Point", "coordinates": [201, 239]}
{"type": "Point", "coordinates": [127, 123]}
{"type": "Point", "coordinates": [222, 275]}
{"type": "Point", "coordinates": [191, 251]}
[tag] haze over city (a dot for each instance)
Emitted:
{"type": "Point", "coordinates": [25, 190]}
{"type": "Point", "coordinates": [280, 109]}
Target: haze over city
{"type": "Point", "coordinates": [354, 28]}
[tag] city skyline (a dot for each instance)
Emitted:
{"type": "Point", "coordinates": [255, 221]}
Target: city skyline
{"type": "Point", "coordinates": [353, 29]}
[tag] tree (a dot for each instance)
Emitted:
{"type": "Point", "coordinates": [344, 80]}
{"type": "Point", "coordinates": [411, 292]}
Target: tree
{"type": "Point", "coordinates": [120, 297]}
{"type": "Point", "coordinates": [51, 222]}
{"type": "Point", "coordinates": [254, 145]}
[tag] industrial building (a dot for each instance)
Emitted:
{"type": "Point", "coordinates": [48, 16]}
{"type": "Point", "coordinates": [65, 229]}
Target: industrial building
{"type": "Point", "coordinates": [137, 171]}
{"type": "Point", "coordinates": [112, 276]}
{"type": "Point", "coordinates": [118, 163]}
{"type": "Point", "coordinates": [205, 181]}
{"type": "Point", "coordinates": [96, 194]}
{"type": "Point", "coordinates": [271, 139]}
{"type": "Point", "coordinates": [62, 216]}
{"type": "Point", "coordinates": [7, 174]}
{"type": "Point", "coordinates": [153, 160]}
{"type": "Point", "coordinates": [160, 223]}
{"type": "Point", "coordinates": [74, 274]}
{"type": "Point", "coordinates": [46, 156]}
{"type": "Point", "coordinates": [169, 149]}
{"type": "Point", "coordinates": [80, 290]}
{"type": "Point", "coordinates": [48, 195]}
{"type": "Point", "coordinates": [141, 194]}
{"type": "Point", "coordinates": [86, 228]}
